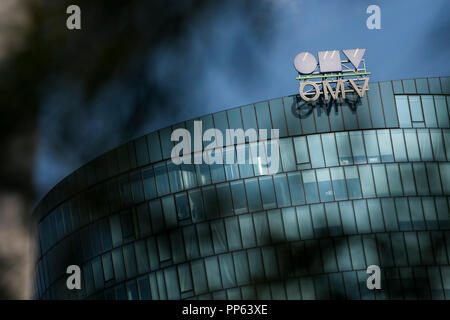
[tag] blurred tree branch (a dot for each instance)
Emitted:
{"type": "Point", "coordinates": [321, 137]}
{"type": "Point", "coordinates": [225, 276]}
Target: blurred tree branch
{"type": "Point", "coordinates": [41, 59]}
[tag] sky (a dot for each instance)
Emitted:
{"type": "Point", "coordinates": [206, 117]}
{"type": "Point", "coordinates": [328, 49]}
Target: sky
{"type": "Point", "coordinates": [220, 64]}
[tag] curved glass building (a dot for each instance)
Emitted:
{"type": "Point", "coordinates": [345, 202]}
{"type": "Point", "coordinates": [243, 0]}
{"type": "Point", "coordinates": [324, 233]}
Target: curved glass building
{"type": "Point", "coordinates": [361, 182]}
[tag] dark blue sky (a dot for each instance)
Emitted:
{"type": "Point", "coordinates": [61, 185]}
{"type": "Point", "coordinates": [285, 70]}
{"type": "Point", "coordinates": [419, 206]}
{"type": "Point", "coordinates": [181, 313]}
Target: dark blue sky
{"type": "Point", "coordinates": [218, 72]}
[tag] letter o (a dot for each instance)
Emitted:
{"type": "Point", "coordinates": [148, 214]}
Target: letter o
{"type": "Point", "coordinates": [305, 62]}
{"type": "Point", "coordinates": [316, 88]}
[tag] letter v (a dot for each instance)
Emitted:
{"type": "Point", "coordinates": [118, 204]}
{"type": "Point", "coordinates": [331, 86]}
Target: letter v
{"type": "Point", "coordinates": [363, 89]}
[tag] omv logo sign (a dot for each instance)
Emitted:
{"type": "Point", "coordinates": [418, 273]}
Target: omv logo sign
{"type": "Point", "coordinates": [331, 75]}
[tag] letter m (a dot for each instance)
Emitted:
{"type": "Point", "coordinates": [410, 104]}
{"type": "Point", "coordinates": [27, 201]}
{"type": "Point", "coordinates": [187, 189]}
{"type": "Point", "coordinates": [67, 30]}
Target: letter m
{"type": "Point", "coordinates": [326, 87]}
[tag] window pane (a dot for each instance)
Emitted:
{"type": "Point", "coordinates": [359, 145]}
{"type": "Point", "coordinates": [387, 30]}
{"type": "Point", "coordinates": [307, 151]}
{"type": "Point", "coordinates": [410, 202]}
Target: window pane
{"type": "Point", "coordinates": [176, 180]}
{"type": "Point", "coordinates": [241, 267]}
{"type": "Point", "coordinates": [403, 111]}
{"type": "Point", "coordinates": [144, 288]}
{"type": "Point", "coordinates": [325, 189]}
{"type": "Point", "coordinates": [227, 271]}
{"type": "Point", "coordinates": [398, 248]}
{"type": "Point", "coordinates": [399, 145]}
{"type": "Point", "coordinates": [357, 252]}
{"type": "Point", "coordinates": [247, 231]}
{"type": "Point", "coordinates": [119, 268]}
{"type": "Point", "coordinates": [218, 236]}
{"type": "Point", "coordinates": [116, 230]}
{"type": "Point", "coordinates": [329, 148]}
{"type": "Point", "coordinates": [170, 213]}
{"type": "Point", "coordinates": [199, 277]}
{"type": "Point", "coordinates": [362, 216]}
{"type": "Point", "coordinates": [353, 185]}
{"type": "Point", "coordinates": [153, 253]}
{"type": "Point", "coordinates": [275, 225]}
{"type": "Point", "coordinates": [258, 157]}
{"type": "Point", "coordinates": [438, 145]}
{"type": "Point", "coordinates": [141, 257]}
{"type": "Point", "coordinates": [253, 194]}
{"type": "Point", "coordinates": [233, 233]}
{"type": "Point", "coordinates": [287, 154]}
{"type": "Point", "coordinates": [411, 145]}
{"type": "Point", "coordinates": [182, 206]}
{"type": "Point", "coordinates": [130, 260]}
{"type": "Point", "coordinates": [239, 200]}
{"type": "Point", "coordinates": [375, 215]}
{"type": "Point", "coordinates": [425, 145]}
{"type": "Point", "coordinates": [347, 216]}
{"type": "Point", "coordinates": [290, 224]}
{"type": "Point", "coordinates": [309, 182]}
{"type": "Point", "coordinates": [185, 279]}
{"type": "Point", "coordinates": [388, 104]}
{"type": "Point", "coordinates": [447, 142]}
{"type": "Point", "coordinates": [370, 139]}
{"type": "Point", "coordinates": [319, 220]}
{"type": "Point", "coordinates": [441, 111]}
{"type": "Point", "coordinates": [88, 278]}
{"type": "Point", "coordinates": [389, 213]}
{"type": "Point", "coordinates": [225, 202]}
{"type": "Point", "coordinates": [301, 150]}
{"type": "Point", "coordinates": [315, 150]}
{"type": "Point", "coordinates": [107, 267]}
{"type": "Point", "coordinates": [162, 181]}
{"type": "Point", "coordinates": [359, 155]}
{"type": "Point", "coordinates": [156, 216]}
{"type": "Point", "coordinates": [203, 176]}
{"type": "Point", "coordinates": [376, 109]}
{"type": "Point", "coordinates": [304, 222]}
{"type": "Point", "coordinates": [333, 219]}
{"type": "Point", "coordinates": [98, 273]}
{"type": "Point", "coordinates": [243, 156]}
{"type": "Point", "coordinates": [365, 172]}
{"type": "Point", "coordinates": [190, 242]}
{"type": "Point", "coordinates": [393, 175]}
{"type": "Point", "coordinates": [407, 179]}
{"type": "Point", "coordinates": [351, 286]}
{"type": "Point", "coordinates": [339, 186]}
{"type": "Point", "coordinates": [343, 144]}
{"type": "Point", "coordinates": [164, 247]}
{"type": "Point", "coordinates": [263, 116]}
{"type": "Point", "coordinates": [196, 203]}
{"type": "Point", "coordinates": [384, 142]}
{"type": "Point", "coordinates": [267, 192]}
{"type": "Point", "coordinates": [211, 202]}
{"type": "Point", "coordinates": [296, 188]}
{"type": "Point", "coordinates": [189, 175]}
{"type": "Point", "coordinates": [416, 108]}
{"type": "Point", "coordinates": [415, 205]}
{"type": "Point", "coordinates": [342, 254]}
{"type": "Point", "coordinates": [231, 169]}
{"type": "Point", "coordinates": [217, 171]}
{"type": "Point", "coordinates": [380, 178]}
{"type": "Point", "coordinates": [444, 168]}
{"type": "Point", "coordinates": [428, 111]}
{"type": "Point", "coordinates": [282, 190]}
{"type": "Point", "coordinates": [420, 175]}
{"type": "Point", "coordinates": [176, 241]}
{"type": "Point", "coordinates": [429, 211]}
{"type": "Point", "coordinates": [256, 264]}
{"type": "Point", "coordinates": [148, 178]}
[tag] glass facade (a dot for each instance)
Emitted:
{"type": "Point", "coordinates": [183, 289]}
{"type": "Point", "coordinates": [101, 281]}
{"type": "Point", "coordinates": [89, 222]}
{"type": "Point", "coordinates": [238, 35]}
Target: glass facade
{"type": "Point", "coordinates": [361, 182]}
